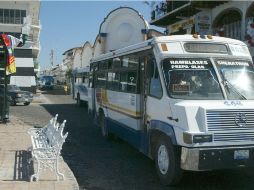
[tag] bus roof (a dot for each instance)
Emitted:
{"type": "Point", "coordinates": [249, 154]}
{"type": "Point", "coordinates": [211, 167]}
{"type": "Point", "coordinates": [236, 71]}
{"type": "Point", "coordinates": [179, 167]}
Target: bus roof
{"type": "Point", "coordinates": [164, 39]}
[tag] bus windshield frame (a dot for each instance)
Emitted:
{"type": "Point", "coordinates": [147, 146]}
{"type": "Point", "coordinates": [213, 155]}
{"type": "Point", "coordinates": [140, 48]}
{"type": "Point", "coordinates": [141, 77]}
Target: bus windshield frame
{"type": "Point", "coordinates": [197, 79]}
{"type": "Point", "coordinates": [238, 77]}
{"type": "Point", "coordinates": [191, 79]}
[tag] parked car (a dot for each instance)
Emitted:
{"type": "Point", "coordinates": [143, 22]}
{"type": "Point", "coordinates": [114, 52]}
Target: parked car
{"type": "Point", "coordinates": [19, 96]}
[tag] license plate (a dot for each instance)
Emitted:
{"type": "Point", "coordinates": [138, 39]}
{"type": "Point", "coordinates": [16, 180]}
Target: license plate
{"type": "Point", "coordinates": [241, 154]}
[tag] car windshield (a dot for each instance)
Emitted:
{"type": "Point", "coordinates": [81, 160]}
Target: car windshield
{"type": "Point", "coordinates": [13, 88]}
{"type": "Point", "coordinates": [238, 77]}
{"type": "Point", "coordinates": [191, 78]}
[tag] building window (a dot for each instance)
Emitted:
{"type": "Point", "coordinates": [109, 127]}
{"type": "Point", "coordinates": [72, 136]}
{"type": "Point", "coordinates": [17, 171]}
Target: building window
{"type": "Point", "coordinates": [228, 24]}
{"type": "Point", "coordinates": [12, 16]}
{"type": "Point", "coordinates": [6, 16]}
{"type": "Point", "coordinates": [1, 16]}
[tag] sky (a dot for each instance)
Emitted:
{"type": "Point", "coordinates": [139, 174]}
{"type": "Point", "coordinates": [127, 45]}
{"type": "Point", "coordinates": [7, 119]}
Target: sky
{"type": "Point", "coordinates": [68, 24]}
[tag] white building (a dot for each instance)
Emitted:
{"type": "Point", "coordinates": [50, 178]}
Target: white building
{"type": "Point", "coordinates": [18, 17]}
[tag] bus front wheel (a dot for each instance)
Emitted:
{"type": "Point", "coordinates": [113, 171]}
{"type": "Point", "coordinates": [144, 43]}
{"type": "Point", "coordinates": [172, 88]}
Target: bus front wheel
{"type": "Point", "coordinates": [167, 162]}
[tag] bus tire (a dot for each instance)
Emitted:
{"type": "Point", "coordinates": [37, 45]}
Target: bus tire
{"type": "Point", "coordinates": [167, 162]}
{"type": "Point", "coordinates": [103, 126]}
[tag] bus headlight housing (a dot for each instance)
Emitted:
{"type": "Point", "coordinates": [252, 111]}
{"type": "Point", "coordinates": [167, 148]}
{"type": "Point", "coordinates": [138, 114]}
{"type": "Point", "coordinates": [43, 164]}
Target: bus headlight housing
{"type": "Point", "coordinates": [190, 138]}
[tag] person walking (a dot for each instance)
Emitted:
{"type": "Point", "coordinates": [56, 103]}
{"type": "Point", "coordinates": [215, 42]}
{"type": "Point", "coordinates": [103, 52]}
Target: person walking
{"type": "Point", "coordinates": [65, 88]}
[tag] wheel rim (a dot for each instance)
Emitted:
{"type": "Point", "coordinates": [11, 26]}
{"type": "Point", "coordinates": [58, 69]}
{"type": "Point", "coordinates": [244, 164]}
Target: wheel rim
{"type": "Point", "coordinates": [163, 160]}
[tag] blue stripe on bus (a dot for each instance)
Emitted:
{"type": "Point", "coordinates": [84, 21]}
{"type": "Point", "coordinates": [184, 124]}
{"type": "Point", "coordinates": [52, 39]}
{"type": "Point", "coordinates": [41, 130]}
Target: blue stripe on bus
{"type": "Point", "coordinates": [136, 138]}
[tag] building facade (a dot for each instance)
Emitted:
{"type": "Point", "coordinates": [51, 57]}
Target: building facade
{"type": "Point", "coordinates": [233, 19]}
{"type": "Point", "coordinates": [22, 17]}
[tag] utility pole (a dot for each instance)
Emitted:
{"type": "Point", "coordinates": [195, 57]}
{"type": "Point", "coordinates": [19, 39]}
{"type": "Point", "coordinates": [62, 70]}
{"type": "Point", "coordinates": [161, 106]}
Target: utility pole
{"type": "Point", "coordinates": [52, 57]}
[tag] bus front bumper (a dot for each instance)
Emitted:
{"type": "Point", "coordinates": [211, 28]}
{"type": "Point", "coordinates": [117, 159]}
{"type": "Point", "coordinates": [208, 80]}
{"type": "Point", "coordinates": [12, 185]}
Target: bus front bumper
{"type": "Point", "coordinates": [201, 159]}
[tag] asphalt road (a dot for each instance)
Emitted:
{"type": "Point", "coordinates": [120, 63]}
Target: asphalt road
{"type": "Point", "coordinates": [115, 165]}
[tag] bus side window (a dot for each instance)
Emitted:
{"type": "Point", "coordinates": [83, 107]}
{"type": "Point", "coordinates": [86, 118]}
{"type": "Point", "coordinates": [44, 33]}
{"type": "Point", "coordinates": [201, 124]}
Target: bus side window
{"type": "Point", "coordinates": [123, 81]}
{"type": "Point", "coordinates": [132, 82]}
{"type": "Point", "coordinates": [113, 81]}
{"type": "Point", "coordinates": [128, 81]}
{"type": "Point", "coordinates": [154, 84]}
{"type": "Point", "coordinates": [101, 79]}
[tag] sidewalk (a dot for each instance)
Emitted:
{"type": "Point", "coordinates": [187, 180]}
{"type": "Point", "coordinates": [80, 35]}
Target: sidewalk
{"type": "Point", "coordinates": [14, 168]}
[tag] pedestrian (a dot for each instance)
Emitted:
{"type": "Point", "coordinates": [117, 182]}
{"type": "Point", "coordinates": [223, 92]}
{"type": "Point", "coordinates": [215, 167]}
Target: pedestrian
{"type": "Point", "coordinates": [65, 88]}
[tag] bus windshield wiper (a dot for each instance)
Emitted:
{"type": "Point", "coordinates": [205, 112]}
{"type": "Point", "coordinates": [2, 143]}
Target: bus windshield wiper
{"type": "Point", "coordinates": [227, 84]}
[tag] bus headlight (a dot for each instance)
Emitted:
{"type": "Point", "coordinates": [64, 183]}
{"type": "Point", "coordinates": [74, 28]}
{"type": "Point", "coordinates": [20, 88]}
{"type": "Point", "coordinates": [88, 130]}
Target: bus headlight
{"type": "Point", "coordinates": [189, 138]}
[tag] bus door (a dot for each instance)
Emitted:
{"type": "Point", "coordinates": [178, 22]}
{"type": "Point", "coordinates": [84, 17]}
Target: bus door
{"type": "Point", "coordinates": [153, 93]}
{"type": "Point", "coordinates": [150, 95]}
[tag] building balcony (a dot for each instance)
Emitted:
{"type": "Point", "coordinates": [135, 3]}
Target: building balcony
{"type": "Point", "coordinates": [168, 12]}
{"type": "Point", "coordinates": [36, 25]}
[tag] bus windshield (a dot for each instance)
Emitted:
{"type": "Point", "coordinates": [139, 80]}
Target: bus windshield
{"type": "Point", "coordinates": [238, 77]}
{"type": "Point", "coordinates": [191, 78]}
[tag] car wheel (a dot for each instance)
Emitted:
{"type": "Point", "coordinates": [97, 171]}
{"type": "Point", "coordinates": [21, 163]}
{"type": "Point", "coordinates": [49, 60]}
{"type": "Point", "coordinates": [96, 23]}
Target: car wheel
{"type": "Point", "coordinates": [167, 162]}
{"type": "Point", "coordinates": [13, 102]}
{"type": "Point", "coordinates": [26, 103]}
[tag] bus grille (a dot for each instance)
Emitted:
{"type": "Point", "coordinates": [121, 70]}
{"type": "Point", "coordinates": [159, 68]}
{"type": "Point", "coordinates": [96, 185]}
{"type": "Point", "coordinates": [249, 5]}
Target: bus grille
{"type": "Point", "coordinates": [231, 125]}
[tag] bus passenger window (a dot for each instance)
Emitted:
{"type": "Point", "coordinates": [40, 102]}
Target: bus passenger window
{"type": "Point", "coordinates": [110, 63]}
{"type": "Point", "coordinates": [130, 61]}
{"type": "Point", "coordinates": [128, 82]}
{"type": "Point", "coordinates": [132, 82]}
{"type": "Point", "coordinates": [116, 62]}
{"type": "Point", "coordinates": [101, 80]}
{"type": "Point", "coordinates": [123, 82]}
{"type": "Point", "coordinates": [113, 81]}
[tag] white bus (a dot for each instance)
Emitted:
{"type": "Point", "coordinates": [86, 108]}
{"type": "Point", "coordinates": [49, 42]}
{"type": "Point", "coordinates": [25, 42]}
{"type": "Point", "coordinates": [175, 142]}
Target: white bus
{"type": "Point", "coordinates": [81, 78]}
{"type": "Point", "coordinates": [185, 101]}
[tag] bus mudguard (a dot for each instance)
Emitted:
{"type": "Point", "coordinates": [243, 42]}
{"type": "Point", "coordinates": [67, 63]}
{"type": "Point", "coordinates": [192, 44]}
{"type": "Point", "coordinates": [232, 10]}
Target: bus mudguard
{"type": "Point", "coordinates": [164, 128]}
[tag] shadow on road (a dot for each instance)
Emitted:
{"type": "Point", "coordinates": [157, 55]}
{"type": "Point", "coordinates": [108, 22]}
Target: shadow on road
{"type": "Point", "coordinates": [22, 169]}
{"type": "Point", "coordinates": [58, 90]}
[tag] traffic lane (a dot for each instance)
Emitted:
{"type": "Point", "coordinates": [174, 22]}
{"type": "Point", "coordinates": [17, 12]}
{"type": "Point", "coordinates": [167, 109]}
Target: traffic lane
{"type": "Point", "coordinates": [104, 164]}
